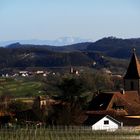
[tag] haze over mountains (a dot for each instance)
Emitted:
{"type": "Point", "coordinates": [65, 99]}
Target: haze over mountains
{"type": "Point", "coordinates": [57, 42]}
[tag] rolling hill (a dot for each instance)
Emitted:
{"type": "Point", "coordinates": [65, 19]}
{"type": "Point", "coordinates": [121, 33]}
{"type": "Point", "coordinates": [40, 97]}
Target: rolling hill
{"type": "Point", "coordinates": [112, 53]}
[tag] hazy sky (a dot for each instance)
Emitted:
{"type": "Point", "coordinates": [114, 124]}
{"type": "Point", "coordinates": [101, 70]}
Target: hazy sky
{"type": "Point", "coordinates": [51, 19]}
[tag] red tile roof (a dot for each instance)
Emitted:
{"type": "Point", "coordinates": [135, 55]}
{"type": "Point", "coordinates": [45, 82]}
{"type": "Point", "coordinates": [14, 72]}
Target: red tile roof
{"type": "Point", "coordinates": [129, 103]}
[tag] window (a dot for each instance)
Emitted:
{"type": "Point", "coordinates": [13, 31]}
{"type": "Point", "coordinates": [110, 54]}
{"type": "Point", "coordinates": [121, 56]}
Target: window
{"type": "Point", "coordinates": [117, 107]}
{"type": "Point", "coordinates": [106, 122]}
{"type": "Point", "coordinates": [132, 85]}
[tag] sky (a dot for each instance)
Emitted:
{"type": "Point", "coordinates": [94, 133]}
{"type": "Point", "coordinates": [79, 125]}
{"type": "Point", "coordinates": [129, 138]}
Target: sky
{"type": "Point", "coordinates": [51, 19]}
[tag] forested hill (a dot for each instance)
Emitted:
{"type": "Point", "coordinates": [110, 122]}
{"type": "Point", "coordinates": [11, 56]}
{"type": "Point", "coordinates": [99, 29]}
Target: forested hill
{"type": "Point", "coordinates": [108, 52]}
{"type": "Point", "coordinates": [24, 57]}
{"type": "Point", "coordinates": [41, 57]}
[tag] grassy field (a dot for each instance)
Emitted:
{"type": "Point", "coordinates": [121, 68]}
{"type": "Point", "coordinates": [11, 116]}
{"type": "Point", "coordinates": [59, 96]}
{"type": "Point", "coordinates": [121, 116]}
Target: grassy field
{"type": "Point", "coordinates": [21, 87]}
{"type": "Point", "coordinates": [65, 134]}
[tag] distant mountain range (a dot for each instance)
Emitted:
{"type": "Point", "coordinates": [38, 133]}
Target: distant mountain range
{"type": "Point", "coordinates": [57, 42]}
{"type": "Point", "coordinates": [112, 53]}
{"type": "Point", "coordinates": [109, 46]}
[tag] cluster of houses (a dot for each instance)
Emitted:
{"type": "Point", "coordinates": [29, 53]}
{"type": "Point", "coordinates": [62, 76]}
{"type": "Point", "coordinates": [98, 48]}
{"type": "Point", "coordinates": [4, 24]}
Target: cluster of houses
{"type": "Point", "coordinates": [26, 73]}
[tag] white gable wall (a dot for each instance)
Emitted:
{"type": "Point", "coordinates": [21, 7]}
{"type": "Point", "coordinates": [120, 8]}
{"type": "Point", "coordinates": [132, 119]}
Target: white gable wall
{"type": "Point", "coordinates": [101, 126]}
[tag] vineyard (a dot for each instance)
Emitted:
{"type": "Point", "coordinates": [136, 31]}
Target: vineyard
{"type": "Point", "coordinates": [66, 133]}
{"type": "Point", "coordinates": [20, 87]}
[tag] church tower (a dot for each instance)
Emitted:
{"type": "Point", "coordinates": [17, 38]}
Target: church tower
{"type": "Point", "coordinates": [132, 76]}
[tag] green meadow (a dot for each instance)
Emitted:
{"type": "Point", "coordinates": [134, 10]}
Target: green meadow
{"type": "Point", "coordinates": [20, 87]}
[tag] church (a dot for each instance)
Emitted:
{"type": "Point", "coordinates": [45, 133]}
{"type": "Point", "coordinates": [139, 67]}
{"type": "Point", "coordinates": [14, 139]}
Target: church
{"type": "Point", "coordinates": [124, 102]}
{"type": "Point", "coordinates": [132, 76]}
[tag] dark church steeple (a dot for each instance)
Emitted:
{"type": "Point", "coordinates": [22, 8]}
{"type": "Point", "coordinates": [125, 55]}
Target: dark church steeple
{"type": "Point", "coordinates": [132, 76]}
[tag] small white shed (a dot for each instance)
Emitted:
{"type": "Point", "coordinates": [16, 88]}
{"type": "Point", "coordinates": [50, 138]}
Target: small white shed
{"type": "Point", "coordinates": [106, 123]}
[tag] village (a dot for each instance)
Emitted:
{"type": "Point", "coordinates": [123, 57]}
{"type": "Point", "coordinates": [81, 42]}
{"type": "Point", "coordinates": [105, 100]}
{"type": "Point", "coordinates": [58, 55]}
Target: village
{"type": "Point", "coordinates": [69, 70]}
{"type": "Point", "coordinates": [108, 110]}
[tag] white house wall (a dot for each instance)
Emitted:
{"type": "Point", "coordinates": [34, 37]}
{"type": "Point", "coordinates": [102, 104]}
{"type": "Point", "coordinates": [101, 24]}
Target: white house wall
{"type": "Point", "coordinates": [101, 126]}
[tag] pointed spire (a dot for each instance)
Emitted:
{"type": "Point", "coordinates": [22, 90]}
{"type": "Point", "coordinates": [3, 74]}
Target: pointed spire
{"type": "Point", "coordinates": [134, 50]}
{"type": "Point", "coordinates": [133, 71]}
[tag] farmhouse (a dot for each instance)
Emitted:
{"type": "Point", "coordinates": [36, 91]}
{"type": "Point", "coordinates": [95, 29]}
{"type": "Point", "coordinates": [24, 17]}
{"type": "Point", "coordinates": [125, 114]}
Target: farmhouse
{"type": "Point", "coordinates": [103, 123]}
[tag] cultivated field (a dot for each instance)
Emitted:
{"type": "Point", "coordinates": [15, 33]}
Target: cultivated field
{"type": "Point", "coordinates": [65, 134]}
{"type": "Point", "coordinates": [20, 87]}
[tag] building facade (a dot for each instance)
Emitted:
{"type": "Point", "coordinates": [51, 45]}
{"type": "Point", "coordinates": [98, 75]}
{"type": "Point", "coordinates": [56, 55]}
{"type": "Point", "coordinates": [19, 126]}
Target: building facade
{"type": "Point", "coordinates": [107, 123]}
